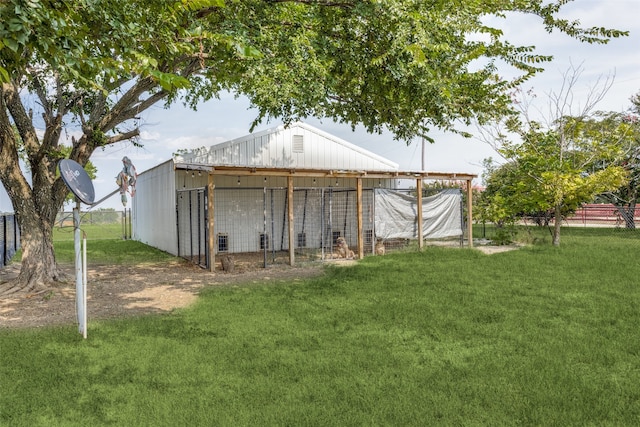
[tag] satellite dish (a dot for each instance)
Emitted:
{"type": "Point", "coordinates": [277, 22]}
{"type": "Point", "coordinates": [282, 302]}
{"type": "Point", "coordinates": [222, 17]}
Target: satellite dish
{"type": "Point", "coordinates": [76, 178]}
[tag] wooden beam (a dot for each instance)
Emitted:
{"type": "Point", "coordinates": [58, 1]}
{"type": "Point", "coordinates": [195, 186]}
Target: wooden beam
{"type": "Point", "coordinates": [292, 255]}
{"type": "Point", "coordinates": [470, 212]}
{"type": "Point", "coordinates": [360, 221]}
{"type": "Point", "coordinates": [419, 209]}
{"type": "Point", "coordinates": [210, 216]}
{"type": "Point", "coordinates": [323, 173]}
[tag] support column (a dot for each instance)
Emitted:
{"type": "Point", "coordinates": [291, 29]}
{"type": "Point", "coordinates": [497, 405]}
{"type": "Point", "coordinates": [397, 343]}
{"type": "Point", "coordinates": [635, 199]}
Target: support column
{"type": "Point", "coordinates": [360, 221]}
{"type": "Point", "coordinates": [211, 241]}
{"type": "Point", "coordinates": [419, 209]}
{"type": "Point", "coordinates": [470, 213]}
{"type": "Point", "coordinates": [292, 255]}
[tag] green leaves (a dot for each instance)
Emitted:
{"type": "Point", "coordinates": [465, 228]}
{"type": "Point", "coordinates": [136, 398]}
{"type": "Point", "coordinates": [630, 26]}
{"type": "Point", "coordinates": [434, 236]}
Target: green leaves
{"type": "Point", "coordinates": [169, 81]}
{"type": "Point", "coordinates": [404, 65]}
{"type": "Point", "coordinates": [553, 171]}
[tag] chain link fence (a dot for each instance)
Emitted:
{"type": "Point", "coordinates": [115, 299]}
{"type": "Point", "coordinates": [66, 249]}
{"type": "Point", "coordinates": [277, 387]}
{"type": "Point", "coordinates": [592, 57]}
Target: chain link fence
{"type": "Point", "coordinates": [605, 219]}
{"type": "Point", "coordinates": [9, 238]}
{"type": "Point", "coordinates": [252, 225]}
{"type": "Point", "coordinates": [98, 224]}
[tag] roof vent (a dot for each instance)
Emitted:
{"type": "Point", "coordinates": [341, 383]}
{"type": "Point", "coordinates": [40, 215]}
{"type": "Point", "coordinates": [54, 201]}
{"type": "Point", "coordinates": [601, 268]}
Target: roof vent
{"type": "Point", "coordinates": [297, 142]}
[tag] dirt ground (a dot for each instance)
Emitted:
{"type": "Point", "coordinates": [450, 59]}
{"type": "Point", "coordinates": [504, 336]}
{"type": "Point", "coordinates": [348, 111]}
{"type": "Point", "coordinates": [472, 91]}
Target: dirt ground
{"type": "Point", "coordinates": [115, 291]}
{"type": "Point", "coordinates": [129, 290]}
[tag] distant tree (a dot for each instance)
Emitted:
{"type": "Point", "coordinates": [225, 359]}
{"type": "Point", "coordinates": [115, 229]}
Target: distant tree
{"type": "Point", "coordinates": [95, 66]}
{"type": "Point", "coordinates": [496, 202]}
{"type": "Point", "coordinates": [549, 168]}
{"type": "Point", "coordinates": [624, 127]}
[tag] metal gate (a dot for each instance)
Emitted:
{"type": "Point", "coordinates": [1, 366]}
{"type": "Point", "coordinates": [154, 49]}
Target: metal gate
{"type": "Point", "coordinates": [255, 220]}
{"type": "Point", "coordinates": [252, 224]}
{"type": "Point", "coordinates": [9, 238]}
{"type": "Point", "coordinates": [192, 225]}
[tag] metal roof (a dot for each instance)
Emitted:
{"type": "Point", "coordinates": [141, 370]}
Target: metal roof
{"type": "Point", "coordinates": [320, 173]}
{"type": "Point", "coordinates": [298, 145]}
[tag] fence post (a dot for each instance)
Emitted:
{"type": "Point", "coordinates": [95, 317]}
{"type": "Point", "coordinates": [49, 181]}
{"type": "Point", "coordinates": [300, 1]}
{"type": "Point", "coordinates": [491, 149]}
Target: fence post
{"type": "Point", "coordinates": [292, 256]}
{"type": "Point", "coordinates": [470, 213]}
{"type": "Point", "coordinates": [3, 262]}
{"type": "Point", "coordinates": [211, 240]}
{"type": "Point", "coordinates": [360, 221]}
{"type": "Point", "coordinates": [419, 206]}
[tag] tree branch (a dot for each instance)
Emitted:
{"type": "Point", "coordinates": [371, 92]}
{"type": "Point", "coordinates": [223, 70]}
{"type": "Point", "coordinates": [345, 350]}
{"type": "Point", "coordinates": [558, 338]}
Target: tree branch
{"type": "Point", "coordinates": [123, 136]}
{"type": "Point", "coordinates": [345, 5]}
{"type": "Point", "coordinates": [128, 99]}
{"type": "Point", "coordinates": [21, 119]}
{"type": "Point", "coordinates": [42, 95]}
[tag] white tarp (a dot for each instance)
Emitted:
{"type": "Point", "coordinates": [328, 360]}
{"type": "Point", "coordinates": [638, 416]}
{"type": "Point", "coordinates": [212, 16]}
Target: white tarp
{"type": "Point", "coordinates": [396, 215]}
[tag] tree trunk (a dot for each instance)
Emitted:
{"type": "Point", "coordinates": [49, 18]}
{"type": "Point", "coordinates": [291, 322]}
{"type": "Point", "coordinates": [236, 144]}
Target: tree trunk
{"type": "Point", "coordinates": [556, 225]}
{"type": "Point", "coordinates": [39, 270]}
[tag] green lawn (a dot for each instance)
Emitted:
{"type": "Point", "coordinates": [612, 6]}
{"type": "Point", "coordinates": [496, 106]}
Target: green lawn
{"type": "Point", "coordinates": [538, 336]}
{"type": "Point", "coordinates": [92, 232]}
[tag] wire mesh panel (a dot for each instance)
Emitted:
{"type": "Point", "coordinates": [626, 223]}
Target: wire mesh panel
{"type": "Point", "coordinates": [340, 219]}
{"type": "Point", "coordinates": [240, 225]}
{"type": "Point", "coordinates": [276, 225]}
{"type": "Point", "coordinates": [253, 223]}
{"type": "Point", "coordinates": [126, 224]}
{"type": "Point", "coordinates": [191, 218]}
{"type": "Point", "coordinates": [239, 220]}
{"type": "Point", "coordinates": [308, 226]}
{"type": "Point", "coordinates": [9, 238]}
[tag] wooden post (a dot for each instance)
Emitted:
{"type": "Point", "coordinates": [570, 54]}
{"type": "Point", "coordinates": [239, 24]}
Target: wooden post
{"type": "Point", "coordinates": [292, 255]}
{"type": "Point", "coordinates": [210, 216]}
{"type": "Point", "coordinates": [359, 207]}
{"type": "Point", "coordinates": [419, 209]}
{"type": "Point", "coordinates": [470, 213]}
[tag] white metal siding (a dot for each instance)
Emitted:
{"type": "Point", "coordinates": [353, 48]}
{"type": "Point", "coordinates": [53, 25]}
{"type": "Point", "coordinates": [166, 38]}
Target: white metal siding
{"type": "Point", "coordinates": [154, 208]}
{"type": "Point", "coordinates": [274, 148]}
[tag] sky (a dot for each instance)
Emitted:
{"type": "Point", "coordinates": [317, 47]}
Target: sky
{"type": "Point", "coordinates": [164, 131]}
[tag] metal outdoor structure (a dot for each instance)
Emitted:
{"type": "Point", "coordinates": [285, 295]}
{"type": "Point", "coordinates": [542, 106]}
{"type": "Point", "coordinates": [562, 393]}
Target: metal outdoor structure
{"type": "Point", "coordinates": [191, 225]}
{"type": "Point", "coordinates": [269, 168]}
{"type": "Point", "coordinates": [9, 238]}
{"type": "Point", "coordinates": [208, 242]}
{"type": "Point", "coordinates": [255, 221]}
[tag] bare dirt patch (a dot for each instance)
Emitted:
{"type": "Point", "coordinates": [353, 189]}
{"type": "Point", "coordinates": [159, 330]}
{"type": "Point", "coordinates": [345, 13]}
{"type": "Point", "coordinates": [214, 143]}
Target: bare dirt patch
{"type": "Point", "coordinates": [115, 291]}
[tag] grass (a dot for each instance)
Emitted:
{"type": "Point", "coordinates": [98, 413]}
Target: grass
{"type": "Point", "coordinates": [92, 231]}
{"type": "Point", "coordinates": [111, 252]}
{"type": "Point", "coordinates": [104, 246]}
{"type": "Point", "coordinates": [538, 336]}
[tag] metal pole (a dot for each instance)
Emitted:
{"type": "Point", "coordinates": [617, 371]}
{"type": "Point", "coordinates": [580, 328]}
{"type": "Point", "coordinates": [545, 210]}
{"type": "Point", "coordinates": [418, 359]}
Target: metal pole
{"type": "Point", "coordinates": [211, 223]}
{"type": "Point", "coordinates": [199, 226]}
{"type": "Point", "coordinates": [84, 286]}
{"type": "Point", "coordinates": [322, 225]}
{"type": "Point", "coordinates": [359, 217]}
{"type": "Point", "coordinates": [423, 153]}
{"type": "Point", "coordinates": [273, 229]}
{"type": "Point", "coordinates": [419, 211]}
{"type": "Point", "coordinates": [291, 219]}
{"type": "Point", "coordinates": [264, 226]}
{"type": "Point", "coordinates": [78, 268]}
{"type": "Point", "coordinates": [190, 226]}
{"type": "Point", "coordinates": [470, 212]}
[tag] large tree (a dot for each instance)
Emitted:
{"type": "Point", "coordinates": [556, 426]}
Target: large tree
{"type": "Point", "coordinates": [404, 65]}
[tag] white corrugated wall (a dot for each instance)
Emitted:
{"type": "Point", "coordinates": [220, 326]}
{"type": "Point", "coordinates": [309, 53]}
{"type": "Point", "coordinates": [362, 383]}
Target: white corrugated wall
{"type": "Point", "coordinates": [315, 150]}
{"type": "Point", "coordinates": [154, 208]}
